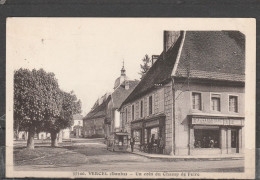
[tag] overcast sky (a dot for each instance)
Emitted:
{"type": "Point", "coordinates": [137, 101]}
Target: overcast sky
{"type": "Point", "coordinates": [85, 54]}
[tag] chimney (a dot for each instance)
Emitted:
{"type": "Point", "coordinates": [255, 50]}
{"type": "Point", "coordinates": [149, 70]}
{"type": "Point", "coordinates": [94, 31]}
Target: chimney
{"type": "Point", "coordinates": [170, 38]}
{"type": "Point", "coordinates": [154, 58]}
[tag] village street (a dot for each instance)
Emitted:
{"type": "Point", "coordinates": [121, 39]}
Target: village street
{"type": "Point", "coordinates": [91, 155]}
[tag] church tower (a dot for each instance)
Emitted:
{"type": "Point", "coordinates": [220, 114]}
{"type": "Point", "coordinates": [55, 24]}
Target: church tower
{"type": "Point", "coordinates": [121, 80]}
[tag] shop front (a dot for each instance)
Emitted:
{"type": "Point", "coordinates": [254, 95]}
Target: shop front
{"type": "Point", "coordinates": [149, 134]}
{"type": "Point", "coordinates": [216, 135]}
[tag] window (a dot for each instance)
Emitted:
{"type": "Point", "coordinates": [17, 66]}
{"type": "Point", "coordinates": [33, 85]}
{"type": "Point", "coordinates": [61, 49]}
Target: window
{"type": "Point", "coordinates": [233, 104]}
{"type": "Point", "coordinates": [126, 114]}
{"type": "Point", "coordinates": [215, 102]}
{"type": "Point", "coordinates": [150, 105]}
{"type": "Point", "coordinates": [141, 108]}
{"type": "Point", "coordinates": [133, 112]}
{"type": "Point", "coordinates": [196, 101]}
{"type": "Point", "coordinates": [206, 138]}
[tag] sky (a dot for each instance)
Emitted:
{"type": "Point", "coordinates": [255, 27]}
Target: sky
{"type": "Point", "coordinates": [86, 54]}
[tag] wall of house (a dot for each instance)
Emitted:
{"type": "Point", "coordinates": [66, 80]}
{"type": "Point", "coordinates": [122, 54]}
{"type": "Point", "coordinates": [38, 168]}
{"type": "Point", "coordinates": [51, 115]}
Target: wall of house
{"type": "Point", "coordinates": [183, 107]}
{"type": "Point", "coordinates": [162, 104]}
{"type": "Point", "coordinates": [94, 127]}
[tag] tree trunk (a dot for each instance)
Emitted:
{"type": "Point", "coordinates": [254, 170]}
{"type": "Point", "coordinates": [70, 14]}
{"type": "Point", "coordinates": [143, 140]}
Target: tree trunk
{"type": "Point", "coordinates": [17, 134]}
{"type": "Point", "coordinates": [30, 140]}
{"type": "Point", "coordinates": [60, 137]}
{"type": "Point", "coordinates": [54, 142]}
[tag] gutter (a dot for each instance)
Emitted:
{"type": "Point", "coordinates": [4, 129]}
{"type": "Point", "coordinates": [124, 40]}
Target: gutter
{"type": "Point", "coordinates": [173, 93]}
{"type": "Point", "coordinates": [173, 119]}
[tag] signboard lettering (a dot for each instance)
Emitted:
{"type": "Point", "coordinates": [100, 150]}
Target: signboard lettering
{"type": "Point", "coordinates": [152, 123]}
{"type": "Point", "coordinates": [218, 121]}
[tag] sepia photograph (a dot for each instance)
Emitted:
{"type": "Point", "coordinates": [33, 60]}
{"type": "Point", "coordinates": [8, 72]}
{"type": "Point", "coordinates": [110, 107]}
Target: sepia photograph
{"type": "Point", "coordinates": [130, 98]}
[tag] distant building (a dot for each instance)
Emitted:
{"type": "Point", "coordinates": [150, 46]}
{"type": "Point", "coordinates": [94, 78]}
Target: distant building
{"type": "Point", "coordinates": [93, 122]}
{"type": "Point", "coordinates": [104, 117]}
{"type": "Point", "coordinates": [77, 127]}
{"type": "Point", "coordinates": [191, 101]}
{"type": "Point", "coordinates": [122, 88]}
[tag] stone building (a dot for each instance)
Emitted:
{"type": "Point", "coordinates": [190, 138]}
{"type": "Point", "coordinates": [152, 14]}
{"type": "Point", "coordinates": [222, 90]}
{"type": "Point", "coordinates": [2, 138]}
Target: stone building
{"type": "Point", "coordinates": [122, 88]}
{"type": "Point", "coordinates": [93, 122]}
{"type": "Point", "coordinates": [191, 101]}
{"type": "Point", "coordinates": [76, 128]}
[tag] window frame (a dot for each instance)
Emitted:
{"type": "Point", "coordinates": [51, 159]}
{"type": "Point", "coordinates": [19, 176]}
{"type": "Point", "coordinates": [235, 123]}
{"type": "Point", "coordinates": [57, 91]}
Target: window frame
{"type": "Point", "coordinates": [150, 109]}
{"type": "Point", "coordinates": [126, 112]}
{"type": "Point", "coordinates": [141, 108]}
{"type": "Point", "coordinates": [196, 92]}
{"type": "Point", "coordinates": [234, 95]}
{"type": "Point", "coordinates": [220, 97]}
{"type": "Point", "coordinates": [133, 112]}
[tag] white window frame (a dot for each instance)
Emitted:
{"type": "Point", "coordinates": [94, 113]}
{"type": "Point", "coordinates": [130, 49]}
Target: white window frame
{"type": "Point", "coordinates": [237, 103]}
{"type": "Point", "coordinates": [201, 100]}
{"type": "Point", "coordinates": [220, 97]}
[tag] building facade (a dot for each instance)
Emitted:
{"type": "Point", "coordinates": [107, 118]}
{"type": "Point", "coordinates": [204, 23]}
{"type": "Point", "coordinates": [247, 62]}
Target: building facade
{"type": "Point", "coordinates": [94, 121]}
{"type": "Point", "coordinates": [77, 127]}
{"type": "Point", "coordinates": [122, 88]}
{"type": "Point", "coordinates": [191, 101]}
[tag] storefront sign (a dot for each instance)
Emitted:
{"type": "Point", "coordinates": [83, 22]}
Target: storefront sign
{"type": "Point", "coordinates": [136, 125]}
{"type": "Point", "coordinates": [217, 121]}
{"type": "Point", "coordinates": [152, 123]}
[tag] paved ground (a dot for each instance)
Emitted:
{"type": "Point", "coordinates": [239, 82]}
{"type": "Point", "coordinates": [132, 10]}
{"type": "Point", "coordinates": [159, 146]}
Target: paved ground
{"type": "Point", "coordinates": [91, 155]}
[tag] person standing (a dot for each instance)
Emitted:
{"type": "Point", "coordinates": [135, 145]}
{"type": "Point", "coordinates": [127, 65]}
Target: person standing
{"type": "Point", "coordinates": [132, 143]}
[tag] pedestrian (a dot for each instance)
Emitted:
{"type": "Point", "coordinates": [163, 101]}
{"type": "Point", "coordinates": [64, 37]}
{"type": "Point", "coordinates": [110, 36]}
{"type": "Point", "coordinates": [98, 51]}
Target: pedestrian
{"type": "Point", "coordinates": [132, 143]}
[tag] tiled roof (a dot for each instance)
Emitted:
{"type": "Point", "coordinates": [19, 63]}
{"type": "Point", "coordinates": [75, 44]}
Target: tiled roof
{"type": "Point", "coordinates": [120, 94]}
{"type": "Point", "coordinates": [214, 55]}
{"type": "Point", "coordinates": [210, 75]}
{"type": "Point", "coordinates": [159, 72]}
{"type": "Point", "coordinates": [100, 110]}
{"type": "Point", "coordinates": [217, 55]}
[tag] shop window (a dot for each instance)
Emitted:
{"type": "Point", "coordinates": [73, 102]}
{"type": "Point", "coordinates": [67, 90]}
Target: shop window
{"type": "Point", "coordinates": [196, 101]}
{"type": "Point", "coordinates": [206, 138]}
{"type": "Point", "coordinates": [150, 105]}
{"type": "Point", "coordinates": [137, 135]}
{"type": "Point", "coordinates": [215, 102]}
{"type": "Point", "coordinates": [233, 106]}
{"type": "Point", "coordinates": [141, 108]}
{"type": "Point", "coordinates": [133, 112]}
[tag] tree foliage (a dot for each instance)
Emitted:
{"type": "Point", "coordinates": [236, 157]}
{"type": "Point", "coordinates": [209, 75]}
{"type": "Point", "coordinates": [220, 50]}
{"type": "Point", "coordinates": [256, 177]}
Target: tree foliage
{"type": "Point", "coordinates": [145, 66]}
{"type": "Point", "coordinates": [40, 105]}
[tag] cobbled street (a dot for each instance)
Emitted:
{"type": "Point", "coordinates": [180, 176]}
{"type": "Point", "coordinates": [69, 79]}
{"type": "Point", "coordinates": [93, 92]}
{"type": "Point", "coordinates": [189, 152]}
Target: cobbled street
{"type": "Point", "coordinates": [92, 155]}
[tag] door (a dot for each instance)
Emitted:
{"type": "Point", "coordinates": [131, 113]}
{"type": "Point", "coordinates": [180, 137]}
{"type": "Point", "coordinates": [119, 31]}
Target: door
{"type": "Point", "coordinates": [234, 141]}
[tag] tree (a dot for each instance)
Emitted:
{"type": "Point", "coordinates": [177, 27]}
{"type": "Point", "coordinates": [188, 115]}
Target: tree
{"type": "Point", "coordinates": [70, 106]}
{"type": "Point", "coordinates": [35, 100]}
{"type": "Point", "coordinates": [40, 105]}
{"type": "Point", "coordinates": [145, 66]}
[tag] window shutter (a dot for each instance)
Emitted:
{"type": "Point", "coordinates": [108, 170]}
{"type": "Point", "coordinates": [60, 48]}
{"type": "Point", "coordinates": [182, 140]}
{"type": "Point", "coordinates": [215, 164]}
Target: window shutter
{"type": "Point", "coordinates": [147, 106]}
{"type": "Point", "coordinates": [161, 100]}
{"type": "Point", "coordinates": [153, 103]}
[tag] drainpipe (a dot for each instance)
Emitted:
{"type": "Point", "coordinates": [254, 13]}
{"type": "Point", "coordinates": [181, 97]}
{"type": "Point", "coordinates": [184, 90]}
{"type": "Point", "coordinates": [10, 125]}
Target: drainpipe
{"type": "Point", "coordinates": [173, 119]}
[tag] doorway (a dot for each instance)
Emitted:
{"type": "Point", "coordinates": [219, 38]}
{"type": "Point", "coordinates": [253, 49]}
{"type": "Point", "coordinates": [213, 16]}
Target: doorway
{"type": "Point", "coordinates": [234, 141]}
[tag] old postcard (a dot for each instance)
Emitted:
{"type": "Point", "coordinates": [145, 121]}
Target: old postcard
{"type": "Point", "coordinates": [130, 97]}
